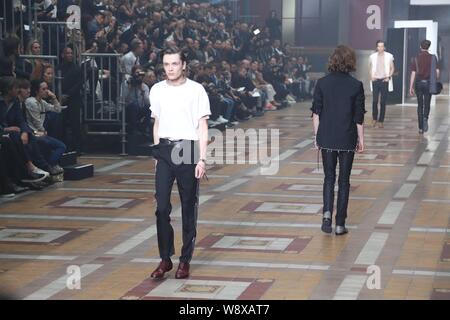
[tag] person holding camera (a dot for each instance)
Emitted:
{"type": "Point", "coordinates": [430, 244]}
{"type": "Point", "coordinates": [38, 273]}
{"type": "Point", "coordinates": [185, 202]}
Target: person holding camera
{"type": "Point", "coordinates": [136, 94]}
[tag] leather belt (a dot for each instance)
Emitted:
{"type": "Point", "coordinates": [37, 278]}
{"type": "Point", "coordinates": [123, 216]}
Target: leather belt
{"type": "Point", "coordinates": [169, 142]}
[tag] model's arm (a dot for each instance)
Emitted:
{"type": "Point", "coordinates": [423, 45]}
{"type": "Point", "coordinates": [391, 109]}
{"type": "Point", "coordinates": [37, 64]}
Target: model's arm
{"type": "Point", "coordinates": [360, 147]}
{"type": "Point", "coordinates": [392, 69]}
{"type": "Point", "coordinates": [200, 169]}
{"type": "Point", "coordinates": [411, 83]}
{"type": "Point", "coordinates": [155, 131]}
{"type": "Point", "coordinates": [316, 121]}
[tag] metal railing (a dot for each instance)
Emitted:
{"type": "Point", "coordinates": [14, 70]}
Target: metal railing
{"type": "Point", "coordinates": [52, 60]}
{"type": "Point", "coordinates": [18, 19]}
{"type": "Point", "coordinates": [102, 96]}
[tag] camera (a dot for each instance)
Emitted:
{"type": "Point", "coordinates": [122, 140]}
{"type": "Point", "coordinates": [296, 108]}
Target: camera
{"type": "Point", "coordinates": [136, 79]}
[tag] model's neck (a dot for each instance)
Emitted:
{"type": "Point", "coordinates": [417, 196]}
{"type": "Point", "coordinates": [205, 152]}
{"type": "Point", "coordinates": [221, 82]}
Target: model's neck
{"type": "Point", "coordinates": [177, 82]}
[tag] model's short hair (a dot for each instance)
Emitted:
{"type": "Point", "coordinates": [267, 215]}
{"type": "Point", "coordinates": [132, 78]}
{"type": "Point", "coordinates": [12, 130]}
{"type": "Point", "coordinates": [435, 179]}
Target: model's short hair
{"type": "Point", "coordinates": [425, 44]}
{"type": "Point", "coordinates": [174, 50]}
{"type": "Point", "coordinates": [343, 59]}
{"type": "Point", "coordinates": [379, 41]}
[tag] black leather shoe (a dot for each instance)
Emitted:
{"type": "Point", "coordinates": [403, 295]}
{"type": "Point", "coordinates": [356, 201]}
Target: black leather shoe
{"type": "Point", "coordinates": [326, 222]}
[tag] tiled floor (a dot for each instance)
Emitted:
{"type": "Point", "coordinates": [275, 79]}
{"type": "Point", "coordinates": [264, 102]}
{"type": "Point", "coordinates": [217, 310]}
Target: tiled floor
{"type": "Point", "coordinates": [258, 235]}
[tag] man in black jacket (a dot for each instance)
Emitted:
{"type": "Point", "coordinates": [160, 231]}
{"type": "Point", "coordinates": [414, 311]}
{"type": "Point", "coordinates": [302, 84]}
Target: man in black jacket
{"type": "Point", "coordinates": [71, 87]}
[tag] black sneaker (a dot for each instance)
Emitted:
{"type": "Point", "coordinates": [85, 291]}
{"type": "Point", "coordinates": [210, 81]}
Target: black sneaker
{"type": "Point", "coordinates": [326, 222]}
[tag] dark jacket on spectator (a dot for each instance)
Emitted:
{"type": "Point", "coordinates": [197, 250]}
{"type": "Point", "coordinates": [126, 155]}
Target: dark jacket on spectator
{"type": "Point", "coordinates": [13, 117]}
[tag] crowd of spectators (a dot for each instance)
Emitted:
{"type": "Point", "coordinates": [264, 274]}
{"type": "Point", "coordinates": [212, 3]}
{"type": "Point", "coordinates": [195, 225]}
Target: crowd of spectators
{"type": "Point", "coordinates": [244, 68]}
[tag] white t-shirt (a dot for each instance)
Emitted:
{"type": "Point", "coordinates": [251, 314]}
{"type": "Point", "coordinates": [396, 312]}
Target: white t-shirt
{"type": "Point", "coordinates": [179, 109]}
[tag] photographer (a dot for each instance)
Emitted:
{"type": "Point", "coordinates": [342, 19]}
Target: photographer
{"type": "Point", "coordinates": [136, 94]}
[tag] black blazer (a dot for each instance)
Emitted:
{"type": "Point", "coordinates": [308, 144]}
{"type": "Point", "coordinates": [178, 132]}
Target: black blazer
{"type": "Point", "coordinates": [339, 102]}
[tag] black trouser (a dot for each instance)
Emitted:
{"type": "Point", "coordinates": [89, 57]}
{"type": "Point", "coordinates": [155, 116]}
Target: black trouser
{"type": "Point", "coordinates": [329, 167]}
{"type": "Point", "coordinates": [188, 187]}
{"type": "Point", "coordinates": [422, 88]}
{"type": "Point", "coordinates": [380, 88]}
{"type": "Point", "coordinates": [14, 160]}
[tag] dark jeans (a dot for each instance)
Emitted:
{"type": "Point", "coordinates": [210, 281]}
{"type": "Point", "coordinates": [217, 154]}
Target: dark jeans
{"type": "Point", "coordinates": [422, 88]}
{"type": "Point", "coordinates": [380, 88]}
{"type": "Point", "coordinates": [56, 147]}
{"type": "Point", "coordinates": [13, 160]}
{"type": "Point", "coordinates": [53, 123]}
{"type": "Point", "coordinates": [188, 187]}
{"type": "Point", "coordinates": [330, 159]}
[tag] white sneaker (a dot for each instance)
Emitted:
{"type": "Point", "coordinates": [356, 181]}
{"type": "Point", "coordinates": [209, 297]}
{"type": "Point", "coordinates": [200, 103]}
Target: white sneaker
{"type": "Point", "coordinates": [212, 123]}
{"type": "Point", "coordinates": [39, 171]}
{"type": "Point", "coordinates": [7, 196]}
{"type": "Point", "coordinates": [221, 119]}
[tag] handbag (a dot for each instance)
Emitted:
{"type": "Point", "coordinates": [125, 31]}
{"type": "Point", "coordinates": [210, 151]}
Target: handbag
{"type": "Point", "coordinates": [435, 85]}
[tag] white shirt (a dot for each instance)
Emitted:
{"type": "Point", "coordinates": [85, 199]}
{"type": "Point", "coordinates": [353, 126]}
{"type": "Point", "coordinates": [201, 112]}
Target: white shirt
{"type": "Point", "coordinates": [388, 59]}
{"type": "Point", "coordinates": [128, 62]}
{"type": "Point", "coordinates": [179, 109]}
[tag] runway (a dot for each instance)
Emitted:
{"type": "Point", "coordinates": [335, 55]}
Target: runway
{"type": "Point", "coordinates": [258, 236]}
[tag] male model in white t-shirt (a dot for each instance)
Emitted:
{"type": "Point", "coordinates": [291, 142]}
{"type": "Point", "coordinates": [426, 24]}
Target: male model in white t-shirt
{"type": "Point", "coordinates": [181, 109]}
{"type": "Point", "coordinates": [381, 67]}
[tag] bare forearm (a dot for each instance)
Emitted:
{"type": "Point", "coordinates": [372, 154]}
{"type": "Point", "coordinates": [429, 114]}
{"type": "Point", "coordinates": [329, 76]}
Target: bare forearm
{"type": "Point", "coordinates": [413, 78]}
{"type": "Point", "coordinates": [155, 132]}
{"type": "Point", "coordinates": [203, 137]}
{"type": "Point", "coordinates": [316, 122]}
{"type": "Point", "coordinates": [360, 132]}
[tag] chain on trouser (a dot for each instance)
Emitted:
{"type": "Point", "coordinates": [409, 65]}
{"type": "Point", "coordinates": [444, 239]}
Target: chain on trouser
{"type": "Point", "coordinates": [189, 215]}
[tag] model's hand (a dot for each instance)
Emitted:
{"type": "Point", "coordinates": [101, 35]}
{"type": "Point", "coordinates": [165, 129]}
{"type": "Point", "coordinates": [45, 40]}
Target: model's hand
{"type": "Point", "coordinates": [360, 147]}
{"type": "Point", "coordinates": [24, 137]}
{"type": "Point", "coordinates": [51, 95]}
{"type": "Point", "coordinates": [386, 79]}
{"type": "Point", "coordinates": [411, 91]}
{"type": "Point", "coordinates": [200, 170]}
{"type": "Point", "coordinates": [316, 147]}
